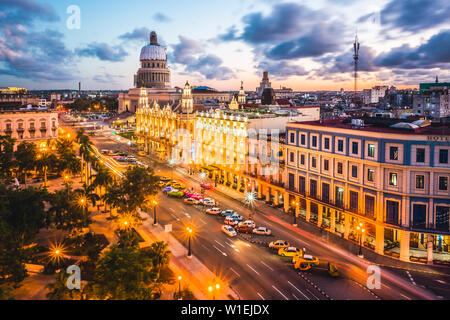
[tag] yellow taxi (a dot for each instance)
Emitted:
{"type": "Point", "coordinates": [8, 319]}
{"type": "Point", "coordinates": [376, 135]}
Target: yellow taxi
{"type": "Point", "coordinates": [161, 184]}
{"type": "Point", "coordinates": [165, 179]}
{"type": "Point", "coordinates": [178, 185]}
{"type": "Point", "coordinates": [142, 154]}
{"type": "Point", "coordinates": [305, 262]}
{"type": "Point", "coordinates": [290, 252]}
{"type": "Point", "coordinates": [278, 244]}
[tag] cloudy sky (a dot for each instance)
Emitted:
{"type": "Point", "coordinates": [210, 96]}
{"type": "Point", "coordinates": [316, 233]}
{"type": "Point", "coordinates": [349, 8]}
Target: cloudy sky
{"type": "Point", "coordinates": [305, 45]}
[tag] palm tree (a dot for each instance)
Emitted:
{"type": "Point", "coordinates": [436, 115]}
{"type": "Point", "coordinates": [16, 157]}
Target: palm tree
{"type": "Point", "coordinates": [58, 290]}
{"type": "Point", "coordinates": [85, 149]}
{"type": "Point", "coordinates": [102, 179]}
{"type": "Point", "coordinates": [159, 253]}
{"type": "Point", "coordinates": [6, 155]}
{"type": "Point", "coordinates": [87, 192]}
{"type": "Point", "coordinates": [46, 161]}
{"type": "Point", "coordinates": [114, 197]}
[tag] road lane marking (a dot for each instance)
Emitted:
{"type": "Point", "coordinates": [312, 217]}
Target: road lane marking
{"type": "Point", "coordinates": [267, 265]}
{"type": "Point", "coordinates": [219, 243]}
{"type": "Point", "coordinates": [280, 292]}
{"type": "Point", "coordinates": [298, 290]}
{"type": "Point", "coordinates": [312, 294]}
{"type": "Point", "coordinates": [235, 272]}
{"type": "Point", "coordinates": [295, 297]}
{"type": "Point", "coordinates": [202, 221]}
{"type": "Point", "coordinates": [260, 296]}
{"type": "Point", "coordinates": [205, 247]}
{"type": "Point", "coordinates": [171, 209]}
{"type": "Point", "coordinates": [253, 270]}
{"type": "Point", "coordinates": [405, 296]}
{"type": "Point", "coordinates": [220, 250]}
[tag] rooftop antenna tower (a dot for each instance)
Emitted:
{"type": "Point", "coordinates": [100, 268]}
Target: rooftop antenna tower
{"type": "Point", "coordinates": [356, 59]}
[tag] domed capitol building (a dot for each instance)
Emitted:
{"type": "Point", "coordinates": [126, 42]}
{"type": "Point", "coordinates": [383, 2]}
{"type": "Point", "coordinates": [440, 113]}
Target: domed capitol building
{"type": "Point", "coordinates": [154, 76]}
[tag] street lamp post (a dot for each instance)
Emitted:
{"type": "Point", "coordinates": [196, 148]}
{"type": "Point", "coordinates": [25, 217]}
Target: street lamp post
{"type": "Point", "coordinates": [361, 232]}
{"type": "Point", "coordinates": [189, 230]}
{"type": "Point", "coordinates": [155, 203]}
{"type": "Point", "coordinates": [295, 212]}
{"type": "Point", "coordinates": [213, 290]}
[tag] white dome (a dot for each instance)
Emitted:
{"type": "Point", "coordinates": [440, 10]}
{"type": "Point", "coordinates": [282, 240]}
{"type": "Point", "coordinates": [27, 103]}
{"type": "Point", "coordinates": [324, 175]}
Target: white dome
{"type": "Point", "coordinates": [153, 52]}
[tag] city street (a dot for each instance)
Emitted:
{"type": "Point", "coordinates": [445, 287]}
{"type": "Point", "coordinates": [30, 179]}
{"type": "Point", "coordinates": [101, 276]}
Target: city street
{"type": "Point", "coordinates": [255, 272]}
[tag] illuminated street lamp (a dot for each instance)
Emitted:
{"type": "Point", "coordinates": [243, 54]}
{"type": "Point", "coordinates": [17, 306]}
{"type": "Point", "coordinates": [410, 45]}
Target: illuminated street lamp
{"type": "Point", "coordinates": [361, 231]}
{"type": "Point", "coordinates": [250, 199]}
{"type": "Point", "coordinates": [171, 164]}
{"type": "Point", "coordinates": [296, 204]}
{"type": "Point", "coordinates": [155, 203]}
{"type": "Point", "coordinates": [189, 230]}
{"type": "Point", "coordinates": [213, 290]}
{"type": "Point", "coordinates": [179, 287]}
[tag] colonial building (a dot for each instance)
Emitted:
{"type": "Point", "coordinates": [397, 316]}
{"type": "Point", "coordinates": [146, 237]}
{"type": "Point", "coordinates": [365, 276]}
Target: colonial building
{"type": "Point", "coordinates": [154, 75]}
{"type": "Point", "coordinates": [394, 181]}
{"type": "Point", "coordinates": [30, 125]}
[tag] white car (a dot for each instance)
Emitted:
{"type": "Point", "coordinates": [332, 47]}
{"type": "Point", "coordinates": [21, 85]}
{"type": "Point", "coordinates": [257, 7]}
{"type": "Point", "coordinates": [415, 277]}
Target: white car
{"type": "Point", "coordinates": [229, 230]}
{"type": "Point", "coordinates": [248, 223]}
{"type": "Point", "coordinates": [230, 221]}
{"type": "Point", "coordinates": [214, 211]}
{"type": "Point", "coordinates": [209, 203]}
{"type": "Point", "coordinates": [262, 231]}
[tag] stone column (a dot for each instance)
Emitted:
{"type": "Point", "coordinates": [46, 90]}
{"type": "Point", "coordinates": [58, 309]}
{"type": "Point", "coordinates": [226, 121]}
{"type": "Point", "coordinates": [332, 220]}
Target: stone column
{"type": "Point", "coordinates": [260, 190]}
{"type": "Point", "coordinates": [267, 193]}
{"type": "Point", "coordinates": [319, 215]}
{"type": "Point", "coordinates": [286, 202]}
{"type": "Point", "coordinates": [404, 245]}
{"type": "Point", "coordinates": [333, 221]}
{"type": "Point", "coordinates": [379, 239]}
{"type": "Point", "coordinates": [308, 210]}
{"type": "Point", "coordinates": [346, 225]}
{"type": "Point", "coordinates": [430, 243]}
{"type": "Point", "coordinates": [276, 200]}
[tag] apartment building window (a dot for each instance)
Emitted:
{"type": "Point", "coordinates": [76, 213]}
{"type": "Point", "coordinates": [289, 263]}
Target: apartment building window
{"type": "Point", "coordinates": [314, 162]}
{"type": "Point", "coordinates": [420, 182]}
{"type": "Point", "coordinates": [325, 192]}
{"type": "Point", "coordinates": [443, 184]}
{"type": "Point", "coordinates": [420, 155]}
{"type": "Point", "coordinates": [291, 157]}
{"type": "Point", "coordinates": [370, 175]}
{"type": "Point", "coordinates": [292, 137]}
{"type": "Point", "coordinates": [419, 215]}
{"type": "Point", "coordinates": [291, 181]}
{"type": "Point", "coordinates": [314, 141]}
{"type": "Point", "coordinates": [392, 210]}
{"type": "Point", "coordinates": [442, 218]}
{"type": "Point", "coordinates": [303, 139]}
{"type": "Point", "coordinates": [8, 127]}
{"type": "Point", "coordinates": [354, 171]}
{"type": "Point", "coordinates": [326, 165]}
{"type": "Point", "coordinates": [371, 150]}
{"type": "Point", "coordinates": [327, 143]}
{"type": "Point", "coordinates": [353, 200]}
{"type": "Point", "coordinates": [302, 159]}
{"type": "Point", "coordinates": [393, 179]}
{"type": "Point", "coordinates": [340, 168]}
{"type": "Point", "coordinates": [370, 206]}
{"type": "Point", "coordinates": [355, 147]}
{"type": "Point", "coordinates": [341, 145]}
{"type": "Point", "coordinates": [443, 156]}
{"type": "Point", "coordinates": [313, 188]}
{"type": "Point", "coordinates": [393, 153]}
{"type": "Point", "coordinates": [339, 197]}
{"type": "Point", "coordinates": [302, 185]}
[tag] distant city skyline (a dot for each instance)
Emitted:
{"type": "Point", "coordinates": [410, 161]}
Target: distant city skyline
{"type": "Point", "coordinates": [305, 45]}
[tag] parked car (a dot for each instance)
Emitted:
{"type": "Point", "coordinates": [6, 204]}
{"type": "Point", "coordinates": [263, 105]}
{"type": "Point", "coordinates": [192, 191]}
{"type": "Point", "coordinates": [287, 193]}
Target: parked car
{"type": "Point", "coordinates": [160, 184]}
{"type": "Point", "coordinates": [207, 186]}
{"type": "Point", "coordinates": [248, 223]}
{"type": "Point", "coordinates": [208, 202]}
{"type": "Point", "coordinates": [142, 154]}
{"type": "Point", "coordinates": [227, 213]}
{"type": "Point", "coordinates": [229, 231]}
{"type": "Point", "coordinates": [262, 231]}
{"type": "Point", "coordinates": [214, 211]}
{"type": "Point", "coordinates": [230, 221]}
{"type": "Point", "coordinates": [167, 189]}
{"type": "Point", "coordinates": [290, 252]}
{"type": "Point", "coordinates": [165, 179]}
{"type": "Point", "coordinates": [191, 201]}
{"type": "Point", "coordinates": [236, 217]}
{"type": "Point", "coordinates": [176, 193]}
{"type": "Point", "coordinates": [244, 228]}
{"type": "Point", "coordinates": [278, 244]}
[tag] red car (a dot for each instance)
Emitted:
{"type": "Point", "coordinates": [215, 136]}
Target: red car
{"type": "Point", "coordinates": [207, 186]}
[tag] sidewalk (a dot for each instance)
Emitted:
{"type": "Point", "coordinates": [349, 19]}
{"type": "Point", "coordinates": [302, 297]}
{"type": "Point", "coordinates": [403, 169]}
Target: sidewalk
{"type": "Point", "coordinates": [193, 272]}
